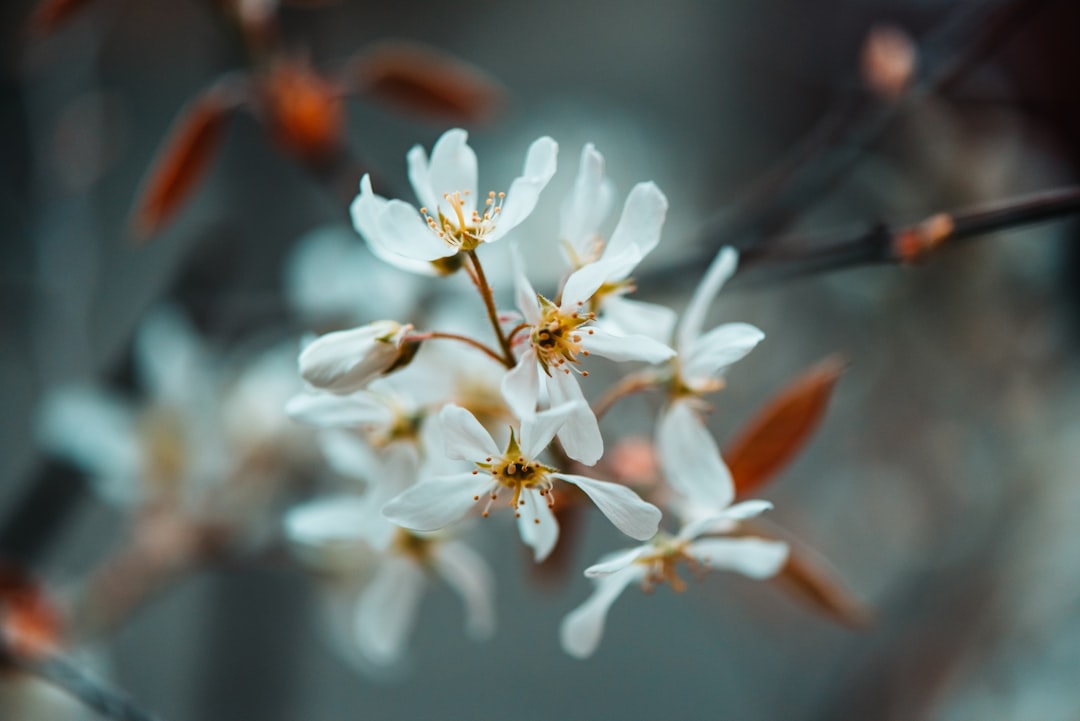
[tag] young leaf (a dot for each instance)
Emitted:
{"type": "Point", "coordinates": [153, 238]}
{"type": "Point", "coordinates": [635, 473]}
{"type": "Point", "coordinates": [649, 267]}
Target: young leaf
{"type": "Point", "coordinates": [779, 430]}
{"type": "Point", "coordinates": [425, 82]}
{"type": "Point", "coordinates": [182, 160]}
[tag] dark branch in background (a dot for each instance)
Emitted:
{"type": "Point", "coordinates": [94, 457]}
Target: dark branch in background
{"type": "Point", "coordinates": [885, 245]}
{"type": "Point", "coordinates": [841, 138]}
{"type": "Point", "coordinates": [60, 672]}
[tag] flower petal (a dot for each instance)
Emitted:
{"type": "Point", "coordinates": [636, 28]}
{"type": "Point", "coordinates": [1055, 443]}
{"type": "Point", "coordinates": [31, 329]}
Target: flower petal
{"type": "Point", "coordinates": [718, 273]}
{"type": "Point", "coordinates": [607, 343]}
{"type": "Point", "coordinates": [586, 206]}
{"type": "Point", "coordinates": [702, 521]}
{"type": "Point", "coordinates": [586, 280]}
{"type": "Point", "coordinates": [346, 454]}
{"type": "Point", "coordinates": [712, 353]}
{"type": "Point", "coordinates": [524, 192]}
{"type": "Point", "coordinates": [365, 211]}
{"type": "Point", "coordinates": [580, 435]}
{"type": "Point", "coordinates": [641, 222]}
{"type": "Point", "coordinates": [624, 508]}
{"type": "Point", "coordinates": [521, 385]}
{"type": "Point", "coordinates": [327, 521]}
{"type": "Point", "coordinates": [635, 317]}
{"type": "Point", "coordinates": [691, 460]}
{"type": "Point", "coordinates": [463, 435]}
{"type": "Point", "coordinates": [420, 177]}
{"type": "Point", "coordinates": [753, 557]}
{"type": "Point", "coordinates": [453, 170]}
{"type": "Point", "coordinates": [326, 410]}
{"type": "Point", "coordinates": [537, 525]}
{"type": "Point", "coordinates": [402, 232]}
{"type": "Point", "coordinates": [468, 574]}
{"type": "Point", "coordinates": [537, 429]}
{"type": "Point", "coordinates": [386, 611]}
{"type": "Point", "coordinates": [524, 294]}
{"type": "Point", "coordinates": [170, 358]}
{"type": "Point", "coordinates": [434, 504]}
{"type": "Point", "coordinates": [616, 562]}
{"type": "Point", "coordinates": [580, 631]}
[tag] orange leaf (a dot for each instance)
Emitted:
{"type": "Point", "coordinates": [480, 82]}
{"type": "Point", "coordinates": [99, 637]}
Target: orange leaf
{"type": "Point", "coordinates": [780, 429]}
{"type": "Point", "coordinates": [304, 109]}
{"type": "Point", "coordinates": [419, 80]}
{"type": "Point", "coordinates": [30, 625]}
{"type": "Point", "coordinates": [182, 160]}
{"type": "Point", "coordinates": [51, 14]}
{"type": "Point", "coordinates": [810, 581]}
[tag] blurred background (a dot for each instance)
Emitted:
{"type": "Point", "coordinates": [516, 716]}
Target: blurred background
{"type": "Point", "coordinates": [942, 485]}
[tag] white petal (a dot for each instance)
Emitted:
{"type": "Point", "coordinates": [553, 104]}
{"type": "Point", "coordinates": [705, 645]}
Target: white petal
{"type": "Point", "coordinates": [580, 631]}
{"type": "Point", "coordinates": [366, 210]}
{"type": "Point", "coordinates": [420, 177]}
{"type": "Point", "coordinates": [616, 562]}
{"type": "Point", "coordinates": [635, 317]}
{"type": "Point", "coordinates": [713, 352]}
{"type": "Point", "coordinates": [346, 454]}
{"type": "Point", "coordinates": [537, 525]}
{"type": "Point", "coordinates": [586, 280]}
{"type": "Point", "coordinates": [606, 343]}
{"type": "Point", "coordinates": [753, 557]}
{"type": "Point", "coordinates": [524, 192]}
{"type": "Point", "coordinates": [580, 435]}
{"type": "Point", "coordinates": [691, 460]}
{"type": "Point", "coordinates": [524, 294]}
{"type": "Point", "coordinates": [725, 521]}
{"type": "Point", "coordinates": [587, 204]}
{"type": "Point", "coordinates": [453, 170]}
{"type": "Point", "coordinates": [718, 273]}
{"type": "Point", "coordinates": [748, 509]}
{"type": "Point", "coordinates": [345, 361]}
{"type": "Point", "coordinates": [521, 385]}
{"type": "Point", "coordinates": [386, 611]}
{"type": "Point", "coordinates": [402, 232]}
{"type": "Point", "coordinates": [624, 508]}
{"type": "Point", "coordinates": [170, 358]}
{"type": "Point", "coordinates": [641, 222]}
{"type": "Point", "coordinates": [327, 410]}
{"type": "Point", "coordinates": [330, 520]}
{"type": "Point", "coordinates": [463, 435]}
{"type": "Point", "coordinates": [95, 431]}
{"type": "Point", "coordinates": [468, 574]}
{"type": "Point", "coordinates": [434, 504]}
{"type": "Point", "coordinates": [538, 429]}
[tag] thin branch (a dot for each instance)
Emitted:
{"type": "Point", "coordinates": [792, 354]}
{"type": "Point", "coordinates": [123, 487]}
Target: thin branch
{"type": "Point", "coordinates": [461, 338]}
{"type": "Point", "coordinates": [882, 244]}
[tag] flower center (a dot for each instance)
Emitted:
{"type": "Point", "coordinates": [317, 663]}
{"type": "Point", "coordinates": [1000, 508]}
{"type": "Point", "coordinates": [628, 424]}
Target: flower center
{"type": "Point", "coordinates": [661, 564]}
{"type": "Point", "coordinates": [517, 474]}
{"type": "Point", "coordinates": [557, 337]}
{"type": "Point", "coordinates": [465, 228]}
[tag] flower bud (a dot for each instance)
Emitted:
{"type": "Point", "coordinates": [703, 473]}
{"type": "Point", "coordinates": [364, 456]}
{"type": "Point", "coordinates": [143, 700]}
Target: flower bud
{"type": "Point", "coordinates": [346, 361]}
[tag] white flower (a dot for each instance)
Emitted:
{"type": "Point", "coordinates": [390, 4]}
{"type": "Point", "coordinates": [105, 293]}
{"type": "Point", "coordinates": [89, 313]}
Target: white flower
{"type": "Point", "coordinates": [555, 338]}
{"type": "Point", "coordinates": [449, 220]}
{"type": "Point", "coordinates": [438, 502]}
{"type": "Point", "coordinates": [172, 446]}
{"type": "Point", "coordinates": [384, 611]}
{"type": "Point", "coordinates": [639, 226]}
{"type": "Point", "coordinates": [655, 562]}
{"type": "Point", "coordinates": [704, 357]}
{"type": "Point", "coordinates": [347, 360]}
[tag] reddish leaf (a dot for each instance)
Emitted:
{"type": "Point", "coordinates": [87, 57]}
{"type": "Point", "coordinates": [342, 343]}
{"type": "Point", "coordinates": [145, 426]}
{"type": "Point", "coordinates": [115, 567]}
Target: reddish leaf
{"type": "Point", "coordinates": [51, 14]}
{"type": "Point", "coordinates": [182, 160]}
{"type": "Point", "coordinates": [304, 109]}
{"type": "Point", "coordinates": [419, 80]}
{"type": "Point", "coordinates": [29, 623]}
{"type": "Point", "coordinates": [780, 429]}
{"type": "Point", "coordinates": [807, 578]}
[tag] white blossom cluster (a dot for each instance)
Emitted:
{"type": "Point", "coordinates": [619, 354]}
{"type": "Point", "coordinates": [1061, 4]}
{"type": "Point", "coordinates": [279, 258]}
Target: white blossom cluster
{"type": "Point", "coordinates": [486, 412]}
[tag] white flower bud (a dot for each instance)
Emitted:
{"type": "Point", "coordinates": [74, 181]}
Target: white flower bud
{"type": "Point", "coordinates": [346, 361]}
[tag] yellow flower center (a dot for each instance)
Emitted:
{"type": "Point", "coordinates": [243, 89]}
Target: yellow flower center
{"type": "Point", "coordinates": [518, 474]}
{"type": "Point", "coordinates": [557, 337]}
{"type": "Point", "coordinates": [461, 232]}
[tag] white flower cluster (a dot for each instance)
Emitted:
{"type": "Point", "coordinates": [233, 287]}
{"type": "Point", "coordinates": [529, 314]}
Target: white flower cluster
{"type": "Point", "coordinates": [444, 424]}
